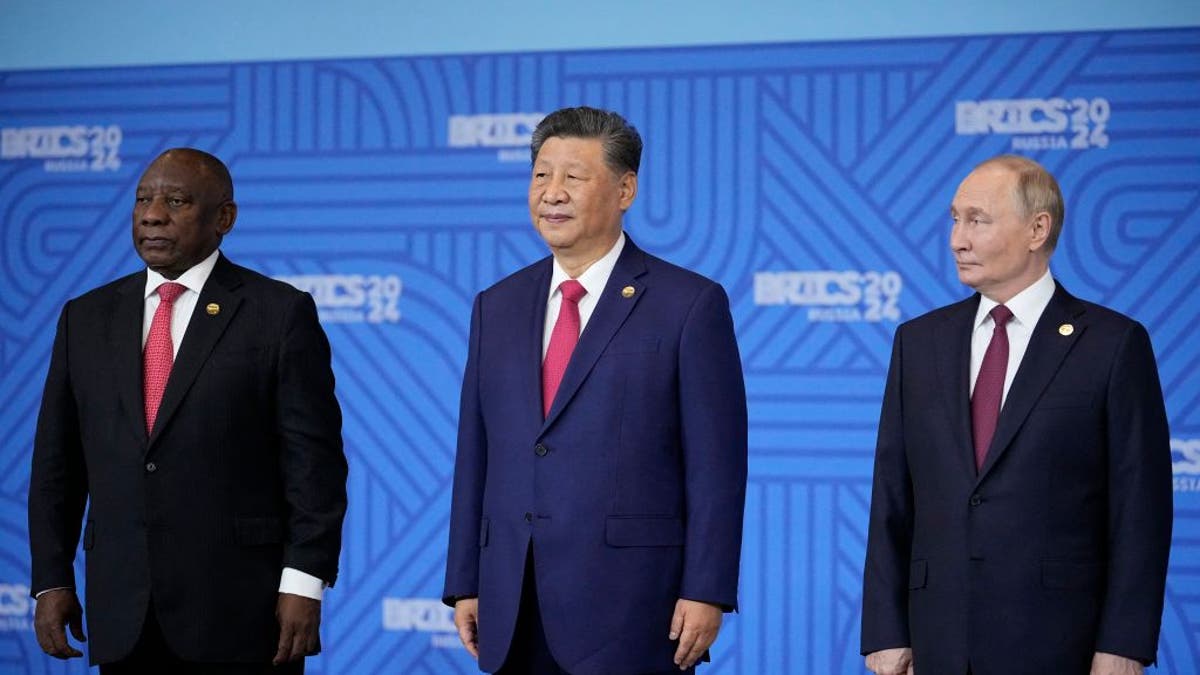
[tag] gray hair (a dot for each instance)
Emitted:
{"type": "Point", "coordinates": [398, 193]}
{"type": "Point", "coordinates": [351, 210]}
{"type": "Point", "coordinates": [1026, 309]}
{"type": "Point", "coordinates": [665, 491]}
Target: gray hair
{"type": "Point", "coordinates": [1037, 191]}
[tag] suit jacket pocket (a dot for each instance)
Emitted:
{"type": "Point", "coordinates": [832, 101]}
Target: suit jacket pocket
{"type": "Point", "coordinates": [918, 574]}
{"type": "Point", "coordinates": [1065, 399]}
{"type": "Point", "coordinates": [1067, 574]}
{"type": "Point", "coordinates": [643, 531]}
{"type": "Point", "coordinates": [257, 530]}
{"type": "Point", "coordinates": [89, 535]}
{"type": "Point", "coordinates": [639, 345]}
{"type": "Point", "coordinates": [484, 526]}
{"type": "Point", "coordinates": [248, 358]}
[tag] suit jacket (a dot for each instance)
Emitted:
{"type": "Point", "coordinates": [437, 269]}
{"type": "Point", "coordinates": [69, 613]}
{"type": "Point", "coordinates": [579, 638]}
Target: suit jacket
{"type": "Point", "coordinates": [631, 490]}
{"type": "Point", "coordinates": [242, 475]}
{"type": "Point", "coordinates": [1057, 547]}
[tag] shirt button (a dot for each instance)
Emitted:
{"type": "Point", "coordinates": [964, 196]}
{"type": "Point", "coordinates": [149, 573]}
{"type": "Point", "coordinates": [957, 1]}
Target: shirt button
{"type": "Point", "coordinates": [151, 467]}
{"type": "Point", "coordinates": [540, 450]}
{"type": "Point", "coordinates": [976, 500]}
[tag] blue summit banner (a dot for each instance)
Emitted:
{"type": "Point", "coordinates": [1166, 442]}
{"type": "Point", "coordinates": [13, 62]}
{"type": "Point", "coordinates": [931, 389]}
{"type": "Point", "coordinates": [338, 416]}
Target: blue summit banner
{"type": "Point", "coordinates": [812, 180]}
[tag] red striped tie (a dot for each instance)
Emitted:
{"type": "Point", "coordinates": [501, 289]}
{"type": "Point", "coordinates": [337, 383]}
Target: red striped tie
{"type": "Point", "coordinates": [989, 385]}
{"type": "Point", "coordinates": [159, 354]}
{"type": "Point", "coordinates": [562, 341]}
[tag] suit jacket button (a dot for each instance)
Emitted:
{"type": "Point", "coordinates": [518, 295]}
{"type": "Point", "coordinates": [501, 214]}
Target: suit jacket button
{"type": "Point", "coordinates": [976, 500]}
{"type": "Point", "coordinates": [528, 517]}
{"type": "Point", "coordinates": [540, 450]}
{"type": "Point", "coordinates": [151, 467]}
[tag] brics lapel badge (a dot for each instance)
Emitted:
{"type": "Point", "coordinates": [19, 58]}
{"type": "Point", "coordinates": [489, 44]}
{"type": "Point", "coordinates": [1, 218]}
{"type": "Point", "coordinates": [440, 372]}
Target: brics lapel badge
{"type": "Point", "coordinates": [213, 309]}
{"type": "Point", "coordinates": [627, 292]}
{"type": "Point", "coordinates": [1066, 329]}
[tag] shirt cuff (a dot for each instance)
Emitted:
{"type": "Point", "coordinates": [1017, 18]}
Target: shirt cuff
{"type": "Point", "coordinates": [56, 588]}
{"type": "Point", "coordinates": [299, 583]}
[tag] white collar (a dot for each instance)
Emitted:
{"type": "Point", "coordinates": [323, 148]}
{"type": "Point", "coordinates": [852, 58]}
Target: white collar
{"type": "Point", "coordinates": [194, 279]}
{"type": "Point", "coordinates": [1026, 306]}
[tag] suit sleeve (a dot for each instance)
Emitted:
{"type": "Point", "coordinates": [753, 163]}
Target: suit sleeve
{"type": "Point", "coordinates": [58, 477]}
{"type": "Point", "coordinates": [1139, 503]}
{"type": "Point", "coordinates": [712, 409]}
{"type": "Point", "coordinates": [889, 536]}
{"type": "Point", "coordinates": [470, 471]}
{"type": "Point", "coordinates": [312, 459]}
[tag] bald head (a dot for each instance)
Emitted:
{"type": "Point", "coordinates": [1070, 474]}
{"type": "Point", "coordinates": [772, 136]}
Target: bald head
{"type": "Point", "coordinates": [211, 167]}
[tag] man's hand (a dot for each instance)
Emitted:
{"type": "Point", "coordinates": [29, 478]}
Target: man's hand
{"type": "Point", "coordinates": [299, 628]}
{"type": "Point", "coordinates": [466, 620]}
{"type": "Point", "coordinates": [1111, 664]}
{"type": "Point", "coordinates": [695, 625]}
{"type": "Point", "coordinates": [56, 609]}
{"type": "Point", "coordinates": [897, 661]}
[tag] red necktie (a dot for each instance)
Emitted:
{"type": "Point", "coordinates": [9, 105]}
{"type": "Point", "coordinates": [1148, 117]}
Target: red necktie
{"type": "Point", "coordinates": [159, 353]}
{"type": "Point", "coordinates": [562, 341]}
{"type": "Point", "coordinates": [989, 385]}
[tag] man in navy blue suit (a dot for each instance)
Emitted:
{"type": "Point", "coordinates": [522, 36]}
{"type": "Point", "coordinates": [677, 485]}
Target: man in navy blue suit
{"type": "Point", "coordinates": [1021, 510]}
{"type": "Point", "coordinates": [601, 467]}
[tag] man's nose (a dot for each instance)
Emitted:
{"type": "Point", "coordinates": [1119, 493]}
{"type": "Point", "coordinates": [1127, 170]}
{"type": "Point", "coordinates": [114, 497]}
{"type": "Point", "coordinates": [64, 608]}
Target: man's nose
{"type": "Point", "coordinates": [153, 212]}
{"type": "Point", "coordinates": [555, 192]}
{"type": "Point", "coordinates": [958, 240]}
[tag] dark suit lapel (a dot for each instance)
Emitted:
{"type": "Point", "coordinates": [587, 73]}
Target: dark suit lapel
{"type": "Point", "coordinates": [954, 374]}
{"type": "Point", "coordinates": [1047, 349]}
{"type": "Point", "coordinates": [126, 336]}
{"type": "Point", "coordinates": [611, 310]}
{"type": "Point", "coordinates": [536, 320]}
{"type": "Point", "coordinates": [203, 331]}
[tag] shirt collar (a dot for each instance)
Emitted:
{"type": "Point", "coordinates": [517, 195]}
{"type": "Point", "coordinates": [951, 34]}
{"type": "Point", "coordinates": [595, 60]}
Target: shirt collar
{"type": "Point", "coordinates": [194, 278]}
{"type": "Point", "coordinates": [1026, 306]}
{"type": "Point", "coordinates": [595, 276]}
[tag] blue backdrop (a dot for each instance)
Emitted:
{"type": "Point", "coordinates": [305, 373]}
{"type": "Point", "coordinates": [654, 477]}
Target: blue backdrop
{"type": "Point", "coordinates": [811, 179]}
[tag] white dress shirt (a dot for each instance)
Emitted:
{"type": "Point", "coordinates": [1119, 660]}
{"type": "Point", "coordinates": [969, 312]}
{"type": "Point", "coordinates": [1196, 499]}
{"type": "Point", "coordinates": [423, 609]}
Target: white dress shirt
{"type": "Point", "coordinates": [292, 580]}
{"type": "Point", "coordinates": [593, 279]}
{"type": "Point", "coordinates": [1027, 307]}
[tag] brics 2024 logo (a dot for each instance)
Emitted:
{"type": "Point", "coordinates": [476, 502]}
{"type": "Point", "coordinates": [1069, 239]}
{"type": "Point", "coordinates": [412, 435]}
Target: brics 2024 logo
{"type": "Point", "coordinates": [65, 149]}
{"type": "Point", "coordinates": [833, 296]}
{"type": "Point", "coordinates": [352, 298]}
{"type": "Point", "coordinates": [16, 608]}
{"type": "Point", "coordinates": [509, 132]}
{"type": "Point", "coordinates": [423, 615]}
{"type": "Point", "coordinates": [1185, 464]}
{"type": "Point", "coordinates": [1038, 123]}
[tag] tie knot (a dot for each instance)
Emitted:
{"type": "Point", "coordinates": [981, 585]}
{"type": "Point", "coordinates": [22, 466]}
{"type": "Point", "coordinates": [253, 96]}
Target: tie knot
{"type": "Point", "coordinates": [1000, 315]}
{"type": "Point", "coordinates": [572, 290]}
{"type": "Point", "coordinates": [170, 292]}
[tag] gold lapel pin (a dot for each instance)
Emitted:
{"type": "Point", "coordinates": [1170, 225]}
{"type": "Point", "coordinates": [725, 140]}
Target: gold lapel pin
{"type": "Point", "coordinates": [627, 292]}
{"type": "Point", "coordinates": [1066, 329]}
{"type": "Point", "coordinates": [213, 309]}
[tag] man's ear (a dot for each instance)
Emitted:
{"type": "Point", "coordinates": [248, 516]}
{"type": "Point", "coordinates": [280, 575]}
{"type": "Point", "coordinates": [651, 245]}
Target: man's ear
{"type": "Point", "coordinates": [1039, 231]}
{"type": "Point", "coordinates": [226, 215]}
{"type": "Point", "coordinates": [629, 187]}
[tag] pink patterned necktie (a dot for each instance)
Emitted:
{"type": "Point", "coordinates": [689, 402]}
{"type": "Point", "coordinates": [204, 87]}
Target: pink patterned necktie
{"type": "Point", "coordinates": [562, 341]}
{"type": "Point", "coordinates": [989, 385]}
{"type": "Point", "coordinates": [159, 354]}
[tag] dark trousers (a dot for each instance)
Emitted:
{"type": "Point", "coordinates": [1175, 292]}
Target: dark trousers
{"type": "Point", "coordinates": [529, 653]}
{"type": "Point", "coordinates": [152, 655]}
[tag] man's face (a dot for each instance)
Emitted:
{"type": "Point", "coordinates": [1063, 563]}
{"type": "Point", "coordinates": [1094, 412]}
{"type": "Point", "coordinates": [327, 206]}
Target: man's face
{"type": "Point", "coordinates": [575, 200]}
{"type": "Point", "coordinates": [998, 249]}
{"type": "Point", "coordinates": [179, 215]}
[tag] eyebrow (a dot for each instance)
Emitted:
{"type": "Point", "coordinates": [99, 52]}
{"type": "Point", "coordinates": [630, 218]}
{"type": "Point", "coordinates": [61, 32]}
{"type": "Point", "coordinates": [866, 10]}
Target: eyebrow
{"type": "Point", "coordinates": [969, 211]}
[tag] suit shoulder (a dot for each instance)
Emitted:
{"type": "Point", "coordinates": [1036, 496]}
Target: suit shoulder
{"type": "Point", "coordinates": [934, 319]}
{"type": "Point", "coordinates": [103, 295]}
{"type": "Point", "coordinates": [519, 281]}
{"type": "Point", "coordinates": [259, 283]}
{"type": "Point", "coordinates": [1100, 315]}
{"type": "Point", "coordinates": [664, 271]}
